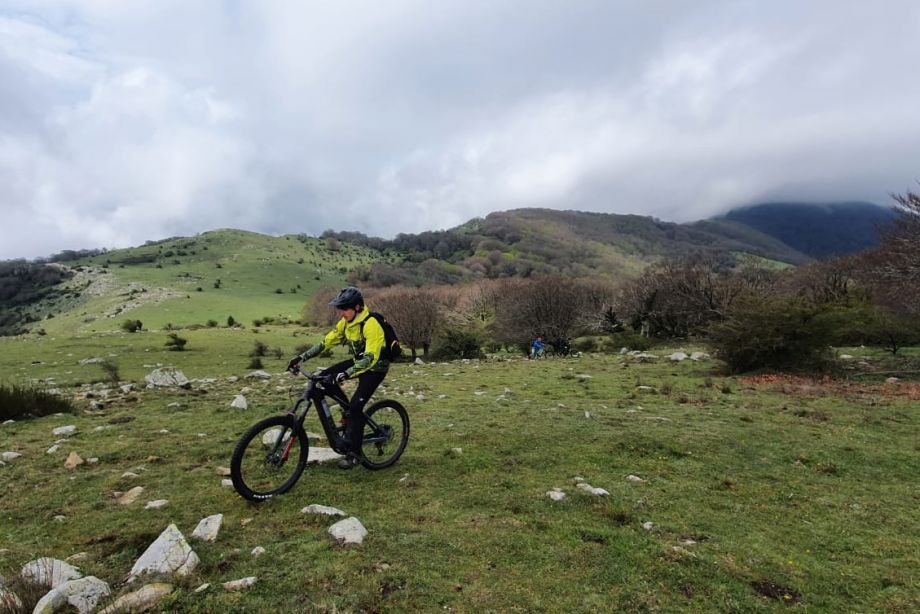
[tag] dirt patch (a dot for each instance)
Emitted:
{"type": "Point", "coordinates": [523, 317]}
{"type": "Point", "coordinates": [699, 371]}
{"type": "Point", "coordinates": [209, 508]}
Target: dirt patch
{"type": "Point", "coordinates": [771, 589]}
{"type": "Point", "coordinates": [799, 386]}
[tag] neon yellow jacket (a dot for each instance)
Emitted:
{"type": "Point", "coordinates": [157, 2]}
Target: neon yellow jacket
{"type": "Point", "coordinates": [365, 348]}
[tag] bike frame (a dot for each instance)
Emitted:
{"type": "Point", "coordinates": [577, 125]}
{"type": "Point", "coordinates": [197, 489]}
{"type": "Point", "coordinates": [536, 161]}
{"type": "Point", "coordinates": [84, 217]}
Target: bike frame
{"type": "Point", "coordinates": [315, 394]}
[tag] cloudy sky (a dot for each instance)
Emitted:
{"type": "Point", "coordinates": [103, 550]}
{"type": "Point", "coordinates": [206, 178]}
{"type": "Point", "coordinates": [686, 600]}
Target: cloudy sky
{"type": "Point", "coordinates": [124, 121]}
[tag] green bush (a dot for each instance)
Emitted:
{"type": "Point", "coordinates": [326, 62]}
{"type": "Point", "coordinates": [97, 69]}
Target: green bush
{"type": "Point", "coordinates": [212, 323]}
{"type": "Point", "coordinates": [112, 374]}
{"type": "Point", "coordinates": [18, 401]}
{"type": "Point", "coordinates": [778, 333]}
{"type": "Point", "coordinates": [584, 344]}
{"type": "Point", "coordinates": [259, 348]}
{"type": "Point", "coordinates": [457, 343]}
{"type": "Point", "coordinates": [176, 343]}
{"type": "Point", "coordinates": [231, 322]}
{"type": "Point", "coordinates": [633, 341]}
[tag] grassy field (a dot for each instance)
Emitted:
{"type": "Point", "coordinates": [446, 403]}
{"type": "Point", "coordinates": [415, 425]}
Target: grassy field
{"type": "Point", "coordinates": [764, 493]}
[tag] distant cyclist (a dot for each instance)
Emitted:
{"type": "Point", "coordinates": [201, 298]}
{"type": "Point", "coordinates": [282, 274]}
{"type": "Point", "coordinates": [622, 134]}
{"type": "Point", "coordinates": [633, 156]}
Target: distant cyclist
{"type": "Point", "coordinates": [365, 339]}
{"type": "Point", "coordinates": [538, 347]}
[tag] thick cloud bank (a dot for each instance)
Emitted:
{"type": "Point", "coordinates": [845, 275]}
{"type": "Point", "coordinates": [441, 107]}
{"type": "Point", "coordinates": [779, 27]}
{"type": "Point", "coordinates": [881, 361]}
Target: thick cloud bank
{"type": "Point", "coordinates": [125, 121]}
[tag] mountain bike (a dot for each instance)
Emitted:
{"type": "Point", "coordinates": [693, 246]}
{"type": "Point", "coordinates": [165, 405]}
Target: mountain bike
{"type": "Point", "coordinates": [271, 456]}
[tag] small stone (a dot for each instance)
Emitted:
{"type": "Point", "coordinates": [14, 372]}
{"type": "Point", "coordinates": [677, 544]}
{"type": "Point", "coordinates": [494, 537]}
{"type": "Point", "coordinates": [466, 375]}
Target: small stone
{"type": "Point", "coordinates": [203, 587]}
{"type": "Point", "coordinates": [131, 496]}
{"type": "Point", "coordinates": [456, 451]}
{"type": "Point", "coordinates": [237, 585]}
{"type": "Point", "coordinates": [60, 518]}
{"type": "Point", "coordinates": [163, 431]}
{"type": "Point", "coordinates": [78, 557]}
{"type": "Point", "coordinates": [53, 449]}
{"type": "Point", "coordinates": [381, 567]}
{"type": "Point", "coordinates": [222, 471]}
{"type": "Point", "coordinates": [634, 478]}
{"type": "Point", "coordinates": [129, 475]}
{"type": "Point", "coordinates": [597, 492]}
{"type": "Point", "coordinates": [226, 483]}
{"type": "Point", "coordinates": [64, 430]}
{"type": "Point", "coordinates": [555, 494]}
{"type": "Point", "coordinates": [140, 600]}
{"type": "Point", "coordinates": [92, 461]}
{"type": "Point", "coordinates": [239, 402]}
{"type": "Point", "coordinates": [8, 422]}
{"type": "Point", "coordinates": [157, 504]}
{"type": "Point", "coordinates": [258, 551]}
{"type": "Point", "coordinates": [208, 528]}
{"type": "Point", "coordinates": [648, 526]}
{"type": "Point", "coordinates": [73, 461]}
{"type": "Point", "coordinates": [315, 508]}
{"type": "Point", "coordinates": [9, 456]}
{"type": "Point", "coordinates": [348, 531]}
{"type": "Point", "coordinates": [245, 521]}
{"type": "Point", "coordinates": [892, 380]}
{"type": "Point", "coordinates": [49, 572]}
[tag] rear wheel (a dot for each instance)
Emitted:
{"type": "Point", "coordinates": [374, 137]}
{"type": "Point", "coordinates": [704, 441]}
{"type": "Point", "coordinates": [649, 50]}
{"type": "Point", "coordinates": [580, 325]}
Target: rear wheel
{"type": "Point", "coordinates": [386, 433]}
{"type": "Point", "coordinates": [269, 458]}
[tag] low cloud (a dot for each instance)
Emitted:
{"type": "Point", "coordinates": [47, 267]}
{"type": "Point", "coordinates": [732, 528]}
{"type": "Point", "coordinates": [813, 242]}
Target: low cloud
{"type": "Point", "coordinates": [121, 123]}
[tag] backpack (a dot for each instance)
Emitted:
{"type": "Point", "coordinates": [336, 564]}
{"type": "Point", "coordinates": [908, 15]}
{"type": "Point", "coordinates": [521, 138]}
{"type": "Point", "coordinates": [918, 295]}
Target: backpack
{"type": "Point", "coordinates": [391, 348]}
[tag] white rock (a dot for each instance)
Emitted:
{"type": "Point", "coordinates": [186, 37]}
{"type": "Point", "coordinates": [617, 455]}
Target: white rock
{"type": "Point", "coordinates": [258, 551]}
{"type": "Point", "coordinates": [78, 557]}
{"type": "Point", "coordinates": [587, 414]}
{"type": "Point", "coordinates": [678, 356]}
{"type": "Point", "coordinates": [419, 361]}
{"type": "Point", "coordinates": [846, 357]}
{"type": "Point", "coordinates": [9, 456]}
{"type": "Point", "coordinates": [203, 587]}
{"type": "Point", "coordinates": [60, 518]}
{"type": "Point", "coordinates": [322, 455]}
{"type": "Point", "coordinates": [699, 356]}
{"type": "Point", "coordinates": [233, 379]}
{"type": "Point", "coordinates": [648, 526]}
{"type": "Point", "coordinates": [456, 451]}
{"type": "Point", "coordinates": [238, 585]}
{"type": "Point", "coordinates": [348, 531]}
{"type": "Point", "coordinates": [8, 422]}
{"type": "Point", "coordinates": [73, 461]}
{"type": "Point", "coordinates": [126, 388]}
{"type": "Point", "coordinates": [82, 593]}
{"type": "Point", "coordinates": [892, 380]}
{"type": "Point", "coordinates": [92, 361]}
{"type": "Point", "coordinates": [583, 376]}
{"type": "Point", "coordinates": [420, 396]}
{"type": "Point", "coordinates": [259, 375]}
{"type": "Point", "coordinates": [53, 449]}
{"type": "Point", "coordinates": [634, 478]}
{"type": "Point", "coordinates": [222, 471]}
{"type": "Point", "coordinates": [49, 572]}
{"type": "Point", "coordinates": [166, 378]}
{"type": "Point", "coordinates": [270, 436]}
{"type": "Point", "coordinates": [226, 483]}
{"type": "Point", "coordinates": [208, 528]}
{"type": "Point", "coordinates": [168, 554]}
{"type": "Point", "coordinates": [246, 390]}
{"type": "Point", "coordinates": [645, 388]}
{"type": "Point", "coordinates": [239, 402]}
{"type": "Point", "coordinates": [597, 492]}
{"type": "Point", "coordinates": [70, 429]}
{"type": "Point", "coordinates": [140, 600]}
{"type": "Point", "coordinates": [316, 508]}
{"type": "Point", "coordinates": [157, 504]}
{"type": "Point", "coordinates": [555, 494]}
{"type": "Point", "coordinates": [173, 405]}
{"type": "Point", "coordinates": [129, 475]}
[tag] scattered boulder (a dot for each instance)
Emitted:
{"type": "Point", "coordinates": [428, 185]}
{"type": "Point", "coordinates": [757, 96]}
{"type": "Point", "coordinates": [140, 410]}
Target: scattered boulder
{"type": "Point", "coordinates": [260, 374]}
{"type": "Point", "coordinates": [258, 551]}
{"type": "Point", "coordinates": [322, 455]}
{"type": "Point", "coordinates": [419, 361]}
{"type": "Point", "coordinates": [634, 478]}
{"type": "Point", "coordinates": [456, 451]}
{"type": "Point", "coordinates": [131, 496]}
{"type": "Point", "coordinates": [348, 531]}
{"type": "Point", "coordinates": [82, 593]}
{"type": "Point", "coordinates": [167, 378]}
{"type": "Point", "coordinates": [208, 528]}
{"type": "Point", "coordinates": [73, 461]}
{"type": "Point", "coordinates": [226, 483]}
{"type": "Point", "coordinates": [140, 600]}
{"type": "Point", "coordinates": [892, 380]}
{"type": "Point", "coordinates": [52, 449]}
{"type": "Point", "coordinates": [157, 504]}
{"type": "Point", "coordinates": [648, 526]}
{"type": "Point", "coordinates": [699, 356]}
{"type": "Point", "coordinates": [70, 429]}
{"type": "Point", "coordinates": [239, 402]}
{"type": "Point", "coordinates": [315, 508]}
{"type": "Point", "coordinates": [8, 422]}
{"type": "Point", "coordinates": [597, 492]}
{"type": "Point", "coordinates": [51, 572]}
{"type": "Point", "coordinates": [556, 494]}
{"type": "Point", "coordinates": [238, 585]}
{"type": "Point", "coordinates": [168, 554]}
{"type": "Point", "coordinates": [10, 456]}
{"type": "Point", "coordinates": [678, 357]}
{"type": "Point", "coordinates": [270, 436]}
{"type": "Point", "coordinates": [222, 471]}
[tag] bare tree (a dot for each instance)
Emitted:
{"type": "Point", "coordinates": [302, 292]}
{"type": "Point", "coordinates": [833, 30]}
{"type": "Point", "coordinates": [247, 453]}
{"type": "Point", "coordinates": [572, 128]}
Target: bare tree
{"type": "Point", "coordinates": [317, 310]}
{"type": "Point", "coordinates": [414, 313]}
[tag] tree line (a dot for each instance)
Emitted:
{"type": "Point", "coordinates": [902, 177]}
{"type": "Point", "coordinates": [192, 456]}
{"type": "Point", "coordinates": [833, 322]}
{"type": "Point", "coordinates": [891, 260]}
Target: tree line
{"type": "Point", "coordinates": [754, 314]}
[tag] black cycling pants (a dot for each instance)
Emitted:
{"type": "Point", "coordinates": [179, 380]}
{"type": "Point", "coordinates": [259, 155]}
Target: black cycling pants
{"type": "Point", "coordinates": [367, 384]}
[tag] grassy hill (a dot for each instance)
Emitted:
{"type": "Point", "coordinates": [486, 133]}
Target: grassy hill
{"type": "Point", "coordinates": [190, 280]}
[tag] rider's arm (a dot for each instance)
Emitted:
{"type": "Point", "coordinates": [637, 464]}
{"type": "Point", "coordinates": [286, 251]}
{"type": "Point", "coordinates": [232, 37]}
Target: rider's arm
{"type": "Point", "coordinates": [333, 338]}
{"type": "Point", "coordinates": [373, 346]}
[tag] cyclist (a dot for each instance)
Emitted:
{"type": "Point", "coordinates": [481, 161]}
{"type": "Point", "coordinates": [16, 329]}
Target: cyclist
{"type": "Point", "coordinates": [365, 339]}
{"type": "Point", "coordinates": [537, 347]}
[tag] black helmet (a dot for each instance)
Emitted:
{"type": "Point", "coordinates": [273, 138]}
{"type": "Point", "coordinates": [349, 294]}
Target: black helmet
{"type": "Point", "coordinates": [349, 297]}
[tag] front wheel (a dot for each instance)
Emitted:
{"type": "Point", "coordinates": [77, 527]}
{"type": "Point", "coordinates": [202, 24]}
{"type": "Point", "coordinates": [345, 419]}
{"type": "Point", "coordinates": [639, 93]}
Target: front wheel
{"type": "Point", "coordinates": [386, 433]}
{"type": "Point", "coordinates": [269, 458]}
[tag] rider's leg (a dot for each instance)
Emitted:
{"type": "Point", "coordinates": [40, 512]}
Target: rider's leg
{"type": "Point", "coordinates": [335, 369]}
{"type": "Point", "coordinates": [367, 384]}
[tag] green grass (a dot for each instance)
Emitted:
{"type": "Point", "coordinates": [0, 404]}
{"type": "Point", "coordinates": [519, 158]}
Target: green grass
{"type": "Point", "coordinates": [809, 487]}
